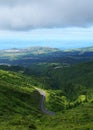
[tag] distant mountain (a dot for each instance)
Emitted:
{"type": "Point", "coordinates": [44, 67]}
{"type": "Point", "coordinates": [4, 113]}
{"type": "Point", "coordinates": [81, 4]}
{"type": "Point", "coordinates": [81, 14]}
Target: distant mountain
{"type": "Point", "coordinates": [15, 53]}
{"type": "Point", "coordinates": [45, 54]}
{"type": "Point", "coordinates": [85, 49]}
{"type": "Point", "coordinates": [32, 50]}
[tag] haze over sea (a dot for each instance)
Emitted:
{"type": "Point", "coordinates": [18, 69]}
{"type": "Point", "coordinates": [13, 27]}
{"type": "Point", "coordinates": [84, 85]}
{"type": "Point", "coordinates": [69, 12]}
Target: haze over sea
{"type": "Point", "coordinates": [8, 44]}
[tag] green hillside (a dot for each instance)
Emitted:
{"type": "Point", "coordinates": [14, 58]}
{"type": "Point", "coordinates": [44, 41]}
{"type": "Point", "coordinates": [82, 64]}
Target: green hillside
{"type": "Point", "coordinates": [79, 118]}
{"type": "Point", "coordinates": [73, 80]}
{"type": "Point", "coordinates": [71, 98]}
{"type": "Point", "coordinates": [19, 102]}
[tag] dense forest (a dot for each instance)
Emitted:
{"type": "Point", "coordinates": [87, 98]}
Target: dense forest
{"type": "Point", "coordinates": [69, 93]}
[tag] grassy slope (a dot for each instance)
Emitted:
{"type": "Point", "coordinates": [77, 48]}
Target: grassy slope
{"type": "Point", "coordinates": [19, 102]}
{"type": "Point", "coordinates": [79, 118]}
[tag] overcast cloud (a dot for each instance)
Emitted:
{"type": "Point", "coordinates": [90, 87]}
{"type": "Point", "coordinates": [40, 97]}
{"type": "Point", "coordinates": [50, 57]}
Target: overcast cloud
{"type": "Point", "coordinates": [30, 14]}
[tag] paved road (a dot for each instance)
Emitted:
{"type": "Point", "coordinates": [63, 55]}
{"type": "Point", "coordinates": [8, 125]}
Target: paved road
{"type": "Point", "coordinates": [44, 110]}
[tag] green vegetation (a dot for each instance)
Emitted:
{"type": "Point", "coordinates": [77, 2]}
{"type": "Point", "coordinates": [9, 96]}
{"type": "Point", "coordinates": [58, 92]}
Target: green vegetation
{"type": "Point", "coordinates": [79, 118]}
{"type": "Point", "coordinates": [73, 80]}
{"type": "Point", "coordinates": [69, 91]}
{"type": "Point", "coordinates": [19, 102]}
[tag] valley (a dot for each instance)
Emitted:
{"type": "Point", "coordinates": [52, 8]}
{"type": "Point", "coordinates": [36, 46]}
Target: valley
{"type": "Point", "coordinates": [52, 93]}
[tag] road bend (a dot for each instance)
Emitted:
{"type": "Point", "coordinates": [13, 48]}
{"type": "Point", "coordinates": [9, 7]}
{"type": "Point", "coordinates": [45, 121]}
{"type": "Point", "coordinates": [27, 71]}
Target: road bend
{"type": "Point", "coordinates": [43, 99]}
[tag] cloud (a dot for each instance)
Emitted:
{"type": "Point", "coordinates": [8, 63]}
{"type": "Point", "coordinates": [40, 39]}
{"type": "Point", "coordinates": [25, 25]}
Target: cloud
{"type": "Point", "coordinates": [29, 14]}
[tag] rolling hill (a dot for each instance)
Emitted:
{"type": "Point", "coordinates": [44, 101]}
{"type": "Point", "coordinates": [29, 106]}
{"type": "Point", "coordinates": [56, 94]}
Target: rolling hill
{"type": "Point", "coordinates": [28, 56]}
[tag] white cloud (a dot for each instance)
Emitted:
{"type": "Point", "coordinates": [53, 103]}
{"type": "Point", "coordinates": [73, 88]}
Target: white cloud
{"type": "Point", "coordinates": [29, 14]}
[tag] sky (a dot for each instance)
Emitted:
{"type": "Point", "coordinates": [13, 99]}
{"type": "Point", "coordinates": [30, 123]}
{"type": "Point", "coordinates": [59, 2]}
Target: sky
{"type": "Point", "coordinates": [53, 23]}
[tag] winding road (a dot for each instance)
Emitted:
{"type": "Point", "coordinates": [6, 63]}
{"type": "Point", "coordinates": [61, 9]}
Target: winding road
{"type": "Point", "coordinates": [44, 110]}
